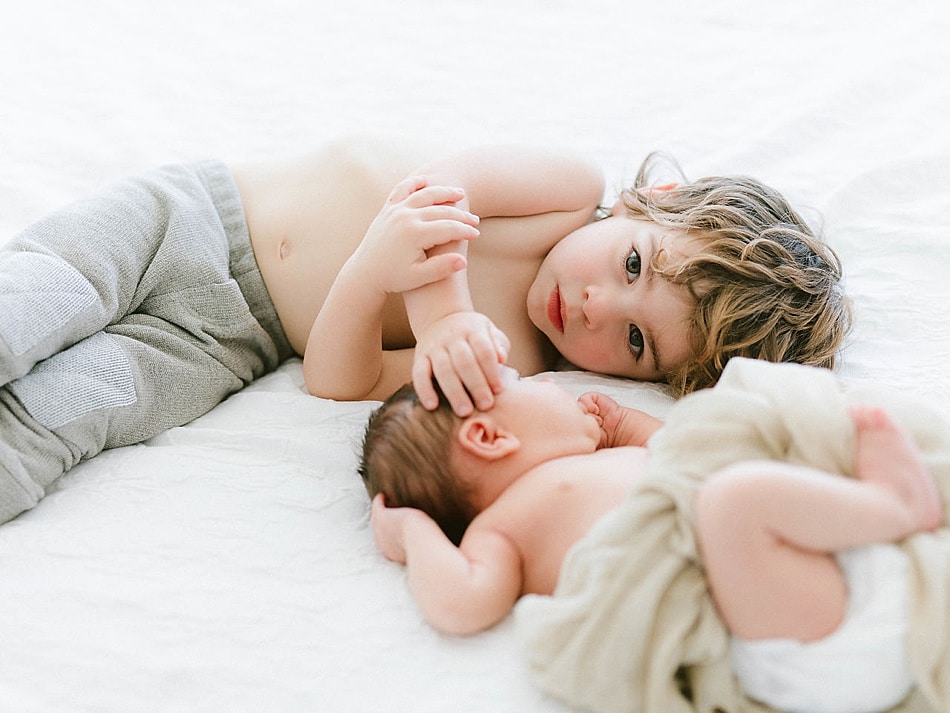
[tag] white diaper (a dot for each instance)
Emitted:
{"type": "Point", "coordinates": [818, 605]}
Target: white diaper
{"type": "Point", "coordinates": [859, 668]}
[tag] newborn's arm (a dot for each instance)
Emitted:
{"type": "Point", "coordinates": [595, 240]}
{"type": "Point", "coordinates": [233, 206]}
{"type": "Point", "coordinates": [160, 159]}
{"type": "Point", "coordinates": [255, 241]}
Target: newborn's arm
{"type": "Point", "coordinates": [460, 590]}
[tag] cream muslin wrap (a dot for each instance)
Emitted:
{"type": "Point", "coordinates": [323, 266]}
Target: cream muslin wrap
{"type": "Point", "coordinates": [631, 626]}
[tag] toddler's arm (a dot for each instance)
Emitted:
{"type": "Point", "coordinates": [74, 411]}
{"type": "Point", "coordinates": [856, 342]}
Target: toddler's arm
{"type": "Point", "coordinates": [344, 357]}
{"type": "Point", "coordinates": [459, 590]}
{"type": "Point", "coordinates": [463, 352]}
{"type": "Point", "coordinates": [620, 426]}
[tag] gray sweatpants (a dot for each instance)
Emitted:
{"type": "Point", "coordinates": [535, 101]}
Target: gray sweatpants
{"type": "Point", "coordinates": [124, 315]}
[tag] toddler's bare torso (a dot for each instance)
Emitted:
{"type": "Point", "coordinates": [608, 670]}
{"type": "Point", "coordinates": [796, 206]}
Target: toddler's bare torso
{"type": "Point", "coordinates": [307, 216]}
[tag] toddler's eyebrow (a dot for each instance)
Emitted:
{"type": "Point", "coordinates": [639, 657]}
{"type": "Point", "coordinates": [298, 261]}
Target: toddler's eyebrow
{"type": "Point", "coordinates": [655, 353]}
{"type": "Point", "coordinates": [654, 243]}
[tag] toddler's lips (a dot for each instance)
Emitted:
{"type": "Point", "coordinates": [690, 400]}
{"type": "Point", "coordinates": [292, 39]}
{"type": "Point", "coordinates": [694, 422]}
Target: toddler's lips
{"type": "Point", "coordinates": [554, 310]}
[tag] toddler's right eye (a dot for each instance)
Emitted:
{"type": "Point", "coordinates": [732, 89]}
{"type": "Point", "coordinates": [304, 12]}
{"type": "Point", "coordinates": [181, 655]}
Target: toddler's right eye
{"type": "Point", "coordinates": [635, 341]}
{"type": "Point", "coordinates": [632, 265]}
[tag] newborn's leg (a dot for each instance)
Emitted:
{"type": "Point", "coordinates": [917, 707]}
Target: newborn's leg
{"type": "Point", "coordinates": [767, 530]}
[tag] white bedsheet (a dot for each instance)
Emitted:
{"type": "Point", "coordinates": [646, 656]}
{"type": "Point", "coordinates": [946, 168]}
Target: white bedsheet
{"type": "Point", "coordinates": [228, 565]}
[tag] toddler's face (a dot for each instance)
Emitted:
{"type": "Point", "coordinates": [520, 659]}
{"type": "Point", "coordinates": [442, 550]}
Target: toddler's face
{"type": "Point", "coordinates": [599, 302]}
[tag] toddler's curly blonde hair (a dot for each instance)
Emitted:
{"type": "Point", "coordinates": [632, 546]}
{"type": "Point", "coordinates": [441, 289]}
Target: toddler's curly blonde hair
{"type": "Point", "coordinates": [766, 286]}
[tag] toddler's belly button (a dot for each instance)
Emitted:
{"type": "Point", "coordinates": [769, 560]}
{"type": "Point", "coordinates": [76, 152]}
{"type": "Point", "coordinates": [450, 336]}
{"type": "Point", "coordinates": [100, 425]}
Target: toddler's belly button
{"type": "Point", "coordinates": [284, 249]}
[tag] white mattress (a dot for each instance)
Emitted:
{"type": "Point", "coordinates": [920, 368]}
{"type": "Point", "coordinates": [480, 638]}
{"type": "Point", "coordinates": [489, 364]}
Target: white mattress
{"type": "Point", "coordinates": [228, 565]}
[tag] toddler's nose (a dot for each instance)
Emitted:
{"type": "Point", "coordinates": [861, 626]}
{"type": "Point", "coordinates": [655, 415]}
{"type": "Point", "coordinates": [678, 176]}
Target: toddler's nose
{"type": "Point", "coordinates": [596, 306]}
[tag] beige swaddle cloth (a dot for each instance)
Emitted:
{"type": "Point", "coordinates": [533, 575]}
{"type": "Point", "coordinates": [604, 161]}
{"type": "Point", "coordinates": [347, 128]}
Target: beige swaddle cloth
{"type": "Point", "coordinates": [631, 625]}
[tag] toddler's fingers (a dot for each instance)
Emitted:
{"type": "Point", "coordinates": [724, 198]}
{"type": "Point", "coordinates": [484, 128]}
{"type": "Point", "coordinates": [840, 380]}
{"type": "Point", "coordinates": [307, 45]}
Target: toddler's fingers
{"type": "Point", "coordinates": [502, 345]}
{"type": "Point", "coordinates": [485, 371]}
{"type": "Point", "coordinates": [422, 383]}
{"type": "Point", "coordinates": [439, 232]}
{"type": "Point", "coordinates": [446, 211]}
{"type": "Point", "coordinates": [471, 364]}
{"type": "Point", "coordinates": [427, 195]}
{"type": "Point", "coordinates": [438, 267]}
{"type": "Point", "coordinates": [444, 371]}
{"type": "Point", "coordinates": [405, 188]}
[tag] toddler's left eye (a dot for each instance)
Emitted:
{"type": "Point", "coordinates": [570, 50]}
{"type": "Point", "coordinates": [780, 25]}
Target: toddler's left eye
{"type": "Point", "coordinates": [635, 341]}
{"type": "Point", "coordinates": [632, 266]}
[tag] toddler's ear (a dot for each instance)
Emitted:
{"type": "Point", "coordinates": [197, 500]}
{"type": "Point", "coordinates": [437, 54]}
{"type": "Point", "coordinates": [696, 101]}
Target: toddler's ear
{"type": "Point", "coordinates": [618, 207]}
{"type": "Point", "coordinates": [481, 437]}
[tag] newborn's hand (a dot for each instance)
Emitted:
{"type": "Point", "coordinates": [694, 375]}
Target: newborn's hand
{"type": "Point", "coordinates": [389, 528]}
{"type": "Point", "coordinates": [619, 425]}
{"type": "Point", "coordinates": [607, 412]}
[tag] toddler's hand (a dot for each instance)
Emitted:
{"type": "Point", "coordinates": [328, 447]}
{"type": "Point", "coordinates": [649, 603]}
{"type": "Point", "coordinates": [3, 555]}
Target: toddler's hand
{"type": "Point", "coordinates": [463, 351]}
{"type": "Point", "coordinates": [416, 218]}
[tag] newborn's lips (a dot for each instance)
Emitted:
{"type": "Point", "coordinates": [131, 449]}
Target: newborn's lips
{"type": "Point", "coordinates": [554, 310]}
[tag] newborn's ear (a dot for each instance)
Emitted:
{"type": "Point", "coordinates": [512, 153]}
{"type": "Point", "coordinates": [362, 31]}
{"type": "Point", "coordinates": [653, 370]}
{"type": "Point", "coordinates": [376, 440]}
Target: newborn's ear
{"type": "Point", "coordinates": [481, 437]}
